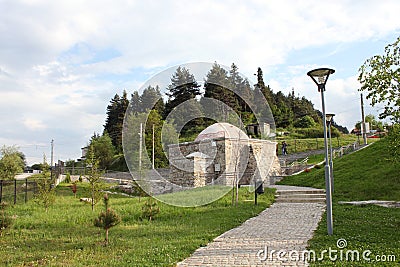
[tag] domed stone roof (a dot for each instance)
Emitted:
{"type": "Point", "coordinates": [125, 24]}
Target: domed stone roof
{"type": "Point", "coordinates": [222, 129]}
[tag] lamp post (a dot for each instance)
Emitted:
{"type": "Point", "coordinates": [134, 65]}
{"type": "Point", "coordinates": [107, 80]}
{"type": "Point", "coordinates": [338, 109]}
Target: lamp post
{"type": "Point", "coordinates": [329, 117]}
{"type": "Point", "coordinates": [320, 77]}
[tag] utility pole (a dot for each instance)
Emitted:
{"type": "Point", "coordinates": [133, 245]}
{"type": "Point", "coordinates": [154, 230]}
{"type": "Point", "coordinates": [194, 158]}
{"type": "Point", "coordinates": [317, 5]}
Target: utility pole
{"type": "Point", "coordinates": [52, 152]}
{"type": "Point", "coordinates": [140, 150]}
{"type": "Point", "coordinates": [153, 147]}
{"type": "Point", "coordinates": [363, 121]}
{"type": "Point", "coordinates": [51, 159]}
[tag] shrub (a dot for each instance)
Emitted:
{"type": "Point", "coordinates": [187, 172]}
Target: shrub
{"type": "Point", "coordinates": [67, 178]}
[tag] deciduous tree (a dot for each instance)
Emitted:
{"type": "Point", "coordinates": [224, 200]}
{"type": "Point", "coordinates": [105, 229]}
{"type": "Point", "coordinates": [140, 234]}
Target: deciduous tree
{"type": "Point", "coordinates": [11, 162]}
{"type": "Point", "coordinates": [380, 79]}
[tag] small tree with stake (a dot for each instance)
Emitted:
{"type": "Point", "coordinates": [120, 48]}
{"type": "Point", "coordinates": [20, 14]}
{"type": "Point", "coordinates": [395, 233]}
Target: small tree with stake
{"type": "Point", "coordinates": [46, 195]}
{"type": "Point", "coordinates": [107, 218]}
{"type": "Point", "coordinates": [150, 209]}
{"type": "Point", "coordinates": [94, 177]}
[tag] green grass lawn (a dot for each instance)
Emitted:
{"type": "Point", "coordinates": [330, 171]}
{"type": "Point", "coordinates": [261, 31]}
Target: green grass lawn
{"type": "Point", "coordinates": [65, 236]}
{"type": "Point", "coordinates": [363, 175]}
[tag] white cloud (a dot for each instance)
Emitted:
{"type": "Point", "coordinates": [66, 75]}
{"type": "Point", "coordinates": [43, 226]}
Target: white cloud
{"type": "Point", "coordinates": [53, 74]}
{"type": "Point", "coordinates": [34, 124]}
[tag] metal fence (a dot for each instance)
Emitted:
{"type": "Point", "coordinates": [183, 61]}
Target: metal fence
{"type": "Point", "coordinates": [17, 191]}
{"type": "Point", "coordinates": [344, 150]}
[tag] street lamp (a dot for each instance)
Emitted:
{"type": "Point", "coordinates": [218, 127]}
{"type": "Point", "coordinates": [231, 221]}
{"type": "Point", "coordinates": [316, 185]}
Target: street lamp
{"type": "Point", "coordinates": [320, 77]}
{"type": "Point", "coordinates": [329, 117]}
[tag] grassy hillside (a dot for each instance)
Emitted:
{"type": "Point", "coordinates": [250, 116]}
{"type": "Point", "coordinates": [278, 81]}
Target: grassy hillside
{"type": "Point", "coordinates": [363, 175]}
{"type": "Point", "coordinates": [366, 174]}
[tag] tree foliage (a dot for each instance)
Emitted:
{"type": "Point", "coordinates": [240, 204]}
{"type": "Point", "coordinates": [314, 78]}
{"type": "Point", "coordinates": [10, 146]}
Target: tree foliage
{"type": "Point", "coordinates": [393, 143]}
{"type": "Point", "coordinates": [11, 162]}
{"type": "Point", "coordinates": [103, 149]}
{"type": "Point", "coordinates": [304, 122]}
{"type": "Point", "coordinates": [374, 124]}
{"type": "Point", "coordinates": [380, 79]}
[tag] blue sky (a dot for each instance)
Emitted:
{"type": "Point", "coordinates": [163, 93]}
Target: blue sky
{"type": "Point", "coordinates": [62, 61]}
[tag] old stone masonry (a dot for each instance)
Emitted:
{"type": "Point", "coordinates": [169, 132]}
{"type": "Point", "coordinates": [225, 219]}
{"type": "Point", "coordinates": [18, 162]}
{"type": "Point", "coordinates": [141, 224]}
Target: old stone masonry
{"type": "Point", "coordinates": [285, 226]}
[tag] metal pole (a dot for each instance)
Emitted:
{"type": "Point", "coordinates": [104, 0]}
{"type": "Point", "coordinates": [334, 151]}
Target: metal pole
{"type": "Point", "coordinates": [255, 191]}
{"type": "Point", "coordinates": [52, 152]}
{"type": "Point", "coordinates": [364, 133]}
{"type": "Point", "coordinates": [140, 150]}
{"type": "Point", "coordinates": [327, 170]}
{"type": "Point", "coordinates": [153, 147]}
{"type": "Point", "coordinates": [331, 161]}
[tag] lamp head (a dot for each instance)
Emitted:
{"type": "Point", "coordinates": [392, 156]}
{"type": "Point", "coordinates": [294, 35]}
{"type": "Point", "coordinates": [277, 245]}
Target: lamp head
{"type": "Point", "coordinates": [329, 117]}
{"type": "Point", "coordinates": [320, 76]}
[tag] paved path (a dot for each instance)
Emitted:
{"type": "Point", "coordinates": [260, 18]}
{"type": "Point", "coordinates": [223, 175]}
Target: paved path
{"type": "Point", "coordinates": [283, 226]}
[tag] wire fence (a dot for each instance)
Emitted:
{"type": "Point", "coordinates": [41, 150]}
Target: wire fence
{"type": "Point", "coordinates": [17, 191]}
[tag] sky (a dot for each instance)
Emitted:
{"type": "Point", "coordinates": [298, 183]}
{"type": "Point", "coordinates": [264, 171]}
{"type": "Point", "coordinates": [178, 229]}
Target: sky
{"type": "Point", "coordinates": [62, 61]}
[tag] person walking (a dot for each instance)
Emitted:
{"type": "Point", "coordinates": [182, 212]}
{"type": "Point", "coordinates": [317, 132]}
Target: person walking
{"type": "Point", "coordinates": [284, 148]}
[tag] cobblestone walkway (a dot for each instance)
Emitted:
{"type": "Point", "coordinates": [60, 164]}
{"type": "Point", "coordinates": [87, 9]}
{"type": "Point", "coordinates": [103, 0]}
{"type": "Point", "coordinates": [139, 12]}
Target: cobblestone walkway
{"type": "Point", "coordinates": [283, 226]}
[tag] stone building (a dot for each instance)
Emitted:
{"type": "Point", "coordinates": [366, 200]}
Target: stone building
{"type": "Point", "coordinates": [220, 154]}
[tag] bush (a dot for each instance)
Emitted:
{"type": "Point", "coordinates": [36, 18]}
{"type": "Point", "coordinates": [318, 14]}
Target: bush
{"type": "Point", "coordinates": [67, 178]}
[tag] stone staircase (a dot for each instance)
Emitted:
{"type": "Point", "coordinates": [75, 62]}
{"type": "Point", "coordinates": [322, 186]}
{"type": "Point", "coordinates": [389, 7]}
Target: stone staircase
{"type": "Point", "coordinates": [301, 196]}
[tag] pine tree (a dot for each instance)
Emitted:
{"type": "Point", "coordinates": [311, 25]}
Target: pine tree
{"type": "Point", "coordinates": [135, 102]}
{"type": "Point", "coordinates": [112, 121]}
{"type": "Point", "coordinates": [182, 88]}
{"type": "Point", "coordinates": [115, 119]}
{"type": "Point", "coordinates": [107, 219]}
{"type": "Point", "coordinates": [151, 99]}
{"type": "Point", "coordinates": [216, 87]}
{"type": "Point", "coordinates": [265, 90]}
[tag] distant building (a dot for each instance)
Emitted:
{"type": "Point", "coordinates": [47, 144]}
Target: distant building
{"type": "Point", "coordinates": [84, 152]}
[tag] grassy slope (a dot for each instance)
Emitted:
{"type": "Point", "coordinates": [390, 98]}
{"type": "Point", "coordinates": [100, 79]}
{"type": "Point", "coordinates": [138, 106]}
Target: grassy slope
{"type": "Point", "coordinates": [65, 236]}
{"type": "Point", "coordinates": [366, 174]}
{"type": "Point", "coordinates": [363, 175]}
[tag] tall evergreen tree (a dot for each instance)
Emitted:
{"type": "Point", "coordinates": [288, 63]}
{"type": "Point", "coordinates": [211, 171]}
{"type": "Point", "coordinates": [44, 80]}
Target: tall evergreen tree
{"type": "Point", "coordinates": [151, 99]}
{"type": "Point", "coordinates": [115, 119]}
{"type": "Point", "coordinates": [135, 102]}
{"type": "Point", "coordinates": [216, 87]}
{"type": "Point", "coordinates": [183, 87]}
